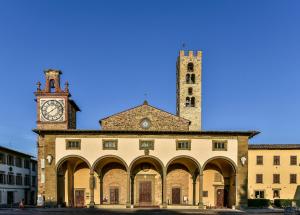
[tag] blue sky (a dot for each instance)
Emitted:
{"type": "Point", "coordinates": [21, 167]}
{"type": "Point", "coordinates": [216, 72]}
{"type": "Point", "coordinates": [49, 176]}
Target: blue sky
{"type": "Point", "coordinates": [113, 52]}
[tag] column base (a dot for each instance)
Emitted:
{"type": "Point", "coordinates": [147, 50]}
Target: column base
{"type": "Point", "coordinates": [164, 205]}
{"type": "Point", "coordinates": [92, 205]}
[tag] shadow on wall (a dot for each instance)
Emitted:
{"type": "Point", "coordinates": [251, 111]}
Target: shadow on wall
{"type": "Point", "coordinates": [243, 194]}
{"type": "Point", "coordinates": [297, 193]}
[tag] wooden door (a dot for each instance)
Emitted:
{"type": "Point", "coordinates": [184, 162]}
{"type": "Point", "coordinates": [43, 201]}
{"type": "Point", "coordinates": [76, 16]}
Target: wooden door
{"type": "Point", "coordinates": [145, 193]}
{"type": "Point", "coordinates": [79, 198]}
{"type": "Point", "coordinates": [175, 195]}
{"type": "Point", "coordinates": [114, 195]}
{"type": "Point", "coordinates": [220, 198]}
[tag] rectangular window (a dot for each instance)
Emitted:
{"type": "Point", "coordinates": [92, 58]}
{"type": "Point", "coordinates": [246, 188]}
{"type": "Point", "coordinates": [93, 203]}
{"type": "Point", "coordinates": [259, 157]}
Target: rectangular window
{"type": "Point", "coordinates": [27, 180]}
{"type": "Point", "coordinates": [2, 158]}
{"type": "Point", "coordinates": [10, 179]}
{"type": "Point", "coordinates": [293, 178]}
{"type": "Point", "coordinates": [19, 179]}
{"type": "Point", "coordinates": [2, 178]}
{"type": "Point", "coordinates": [259, 160]}
{"type": "Point", "coordinates": [276, 193]}
{"type": "Point", "coordinates": [33, 166]}
{"type": "Point", "coordinates": [276, 178]}
{"type": "Point", "coordinates": [73, 144]}
{"type": "Point", "coordinates": [259, 178]}
{"type": "Point", "coordinates": [26, 164]}
{"type": "Point", "coordinates": [259, 194]}
{"type": "Point", "coordinates": [18, 162]}
{"type": "Point", "coordinates": [276, 160]}
{"type": "Point", "coordinates": [205, 193]}
{"type": "Point", "coordinates": [10, 160]}
{"type": "Point", "coordinates": [146, 144]}
{"type": "Point", "coordinates": [219, 145]}
{"type": "Point", "coordinates": [183, 145]}
{"type": "Point", "coordinates": [110, 144]}
{"type": "Point", "coordinates": [33, 181]}
{"type": "Point", "coordinates": [293, 160]}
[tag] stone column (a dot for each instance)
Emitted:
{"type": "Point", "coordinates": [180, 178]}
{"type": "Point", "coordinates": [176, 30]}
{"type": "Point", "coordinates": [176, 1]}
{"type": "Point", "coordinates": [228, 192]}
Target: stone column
{"type": "Point", "coordinates": [101, 188]}
{"type": "Point", "coordinates": [164, 188]}
{"type": "Point", "coordinates": [70, 185]}
{"type": "Point", "coordinates": [194, 188]}
{"type": "Point", "coordinates": [92, 183]}
{"type": "Point", "coordinates": [128, 203]}
{"type": "Point", "coordinates": [201, 190]}
{"type": "Point", "coordinates": [132, 189]}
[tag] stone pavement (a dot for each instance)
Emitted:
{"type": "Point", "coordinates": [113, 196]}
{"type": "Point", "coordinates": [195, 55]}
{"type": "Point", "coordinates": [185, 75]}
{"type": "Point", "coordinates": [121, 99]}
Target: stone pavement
{"type": "Point", "coordinates": [73, 211]}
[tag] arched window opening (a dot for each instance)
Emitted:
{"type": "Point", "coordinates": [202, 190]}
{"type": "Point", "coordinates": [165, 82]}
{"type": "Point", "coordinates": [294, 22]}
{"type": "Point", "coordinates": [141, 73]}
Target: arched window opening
{"type": "Point", "coordinates": [52, 85]}
{"type": "Point", "coordinates": [190, 67]}
{"type": "Point", "coordinates": [187, 102]}
{"type": "Point", "coordinates": [193, 102]}
{"type": "Point", "coordinates": [193, 78]}
{"type": "Point", "coordinates": [190, 91]}
{"type": "Point", "coordinates": [187, 78]}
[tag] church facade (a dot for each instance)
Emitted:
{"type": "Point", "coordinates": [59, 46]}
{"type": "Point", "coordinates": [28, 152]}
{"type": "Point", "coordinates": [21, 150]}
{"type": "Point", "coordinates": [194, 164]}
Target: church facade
{"type": "Point", "coordinates": [140, 157]}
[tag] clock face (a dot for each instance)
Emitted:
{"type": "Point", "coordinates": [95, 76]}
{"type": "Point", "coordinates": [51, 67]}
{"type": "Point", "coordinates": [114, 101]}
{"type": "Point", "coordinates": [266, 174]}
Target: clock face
{"type": "Point", "coordinates": [145, 123]}
{"type": "Point", "coordinates": [52, 110]}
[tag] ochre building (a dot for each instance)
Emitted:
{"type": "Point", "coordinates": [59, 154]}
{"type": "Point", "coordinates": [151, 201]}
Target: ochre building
{"type": "Point", "coordinates": [140, 157]}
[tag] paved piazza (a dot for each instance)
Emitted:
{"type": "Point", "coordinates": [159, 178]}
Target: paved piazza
{"type": "Point", "coordinates": [57, 211]}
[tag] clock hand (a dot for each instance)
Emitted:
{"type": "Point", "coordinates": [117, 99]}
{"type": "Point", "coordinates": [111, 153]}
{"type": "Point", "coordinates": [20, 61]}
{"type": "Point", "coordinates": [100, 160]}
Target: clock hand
{"type": "Point", "coordinates": [52, 110]}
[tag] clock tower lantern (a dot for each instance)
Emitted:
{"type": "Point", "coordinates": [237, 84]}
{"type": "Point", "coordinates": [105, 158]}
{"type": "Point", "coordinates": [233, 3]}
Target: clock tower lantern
{"type": "Point", "coordinates": [55, 109]}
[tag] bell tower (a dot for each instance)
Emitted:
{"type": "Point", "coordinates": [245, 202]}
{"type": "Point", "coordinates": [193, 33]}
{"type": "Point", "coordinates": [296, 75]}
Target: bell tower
{"type": "Point", "coordinates": [188, 87]}
{"type": "Point", "coordinates": [55, 109]}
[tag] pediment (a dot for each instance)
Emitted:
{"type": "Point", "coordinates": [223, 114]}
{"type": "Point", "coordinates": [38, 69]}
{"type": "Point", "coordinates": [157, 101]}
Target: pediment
{"type": "Point", "coordinates": [145, 117]}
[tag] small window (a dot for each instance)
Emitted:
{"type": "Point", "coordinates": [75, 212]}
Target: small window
{"type": "Point", "coordinates": [190, 91]}
{"type": "Point", "coordinates": [276, 193]}
{"type": "Point", "coordinates": [10, 179]}
{"type": "Point", "coordinates": [276, 160]}
{"type": "Point", "coordinates": [2, 158]}
{"type": "Point", "coordinates": [293, 178]}
{"type": "Point", "coordinates": [183, 145]}
{"type": "Point", "coordinates": [10, 160]}
{"type": "Point", "coordinates": [219, 145]}
{"type": "Point", "coordinates": [190, 67]}
{"type": "Point", "coordinates": [259, 178]}
{"type": "Point", "coordinates": [259, 194]}
{"type": "Point", "coordinates": [26, 164]}
{"type": "Point", "coordinates": [146, 144]}
{"type": "Point", "coordinates": [205, 193]}
{"type": "Point", "coordinates": [2, 178]}
{"type": "Point", "coordinates": [193, 102]}
{"type": "Point", "coordinates": [19, 179]}
{"type": "Point", "coordinates": [259, 160]}
{"type": "Point", "coordinates": [110, 144]}
{"type": "Point", "coordinates": [276, 179]}
{"type": "Point", "coordinates": [293, 160]}
{"type": "Point", "coordinates": [33, 181]}
{"type": "Point", "coordinates": [73, 144]}
{"type": "Point", "coordinates": [27, 180]}
{"type": "Point", "coordinates": [33, 166]}
{"type": "Point", "coordinates": [18, 162]}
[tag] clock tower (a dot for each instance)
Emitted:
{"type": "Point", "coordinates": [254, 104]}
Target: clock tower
{"type": "Point", "coordinates": [55, 109]}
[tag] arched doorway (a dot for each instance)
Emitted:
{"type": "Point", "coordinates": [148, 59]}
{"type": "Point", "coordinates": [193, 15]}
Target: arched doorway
{"type": "Point", "coordinates": [146, 174]}
{"type": "Point", "coordinates": [73, 187]}
{"type": "Point", "coordinates": [219, 176]}
{"type": "Point", "coordinates": [182, 181]}
{"type": "Point", "coordinates": [111, 180]}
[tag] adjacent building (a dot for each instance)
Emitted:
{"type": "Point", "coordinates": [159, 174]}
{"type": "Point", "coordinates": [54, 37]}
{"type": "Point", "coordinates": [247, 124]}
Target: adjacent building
{"type": "Point", "coordinates": [18, 177]}
{"type": "Point", "coordinates": [274, 171]}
